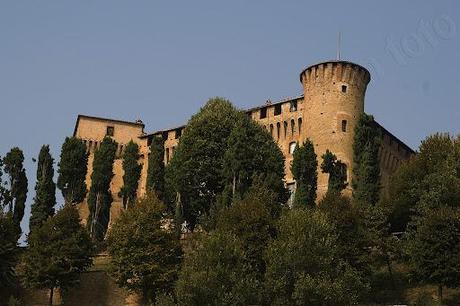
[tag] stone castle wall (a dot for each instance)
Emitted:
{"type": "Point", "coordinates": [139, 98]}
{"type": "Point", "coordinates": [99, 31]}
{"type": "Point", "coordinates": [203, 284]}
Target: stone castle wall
{"type": "Point", "coordinates": [326, 113]}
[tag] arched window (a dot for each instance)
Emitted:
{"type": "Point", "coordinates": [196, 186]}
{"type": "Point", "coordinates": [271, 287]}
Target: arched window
{"type": "Point", "coordinates": [292, 126]}
{"type": "Point", "coordinates": [271, 130]}
{"type": "Point", "coordinates": [300, 125]}
{"type": "Point", "coordinates": [278, 128]}
{"type": "Point", "coordinates": [292, 147]}
{"type": "Point", "coordinates": [285, 128]}
{"type": "Point", "coordinates": [344, 125]}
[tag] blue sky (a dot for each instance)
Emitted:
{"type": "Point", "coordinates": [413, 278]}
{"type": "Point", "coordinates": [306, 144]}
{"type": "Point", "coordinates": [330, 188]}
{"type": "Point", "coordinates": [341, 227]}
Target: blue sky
{"type": "Point", "coordinates": [160, 61]}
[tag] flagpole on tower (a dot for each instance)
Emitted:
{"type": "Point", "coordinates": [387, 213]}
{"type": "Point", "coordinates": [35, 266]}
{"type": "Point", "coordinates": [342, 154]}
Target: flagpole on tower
{"type": "Point", "coordinates": [338, 46]}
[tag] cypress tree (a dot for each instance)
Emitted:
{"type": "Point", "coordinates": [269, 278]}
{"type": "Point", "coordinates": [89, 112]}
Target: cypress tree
{"type": "Point", "coordinates": [17, 194]}
{"type": "Point", "coordinates": [366, 170]}
{"type": "Point", "coordinates": [132, 173]}
{"type": "Point", "coordinates": [336, 170]}
{"type": "Point", "coordinates": [45, 188]}
{"type": "Point", "coordinates": [100, 197]}
{"type": "Point", "coordinates": [72, 170]}
{"type": "Point", "coordinates": [156, 167]}
{"type": "Point", "coordinates": [304, 170]}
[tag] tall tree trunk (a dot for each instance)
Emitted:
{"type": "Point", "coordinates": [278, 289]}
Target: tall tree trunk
{"type": "Point", "coordinates": [94, 221]}
{"type": "Point", "coordinates": [234, 186]}
{"type": "Point", "coordinates": [50, 302]}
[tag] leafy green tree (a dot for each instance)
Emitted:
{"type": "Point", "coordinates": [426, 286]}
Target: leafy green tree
{"type": "Point", "coordinates": [45, 188]}
{"type": "Point", "coordinates": [337, 172]}
{"type": "Point", "coordinates": [73, 167]}
{"type": "Point", "coordinates": [132, 174]}
{"type": "Point", "coordinates": [435, 167]}
{"type": "Point", "coordinates": [58, 252]}
{"type": "Point", "coordinates": [215, 273]}
{"type": "Point", "coordinates": [9, 250]}
{"type": "Point", "coordinates": [433, 247]}
{"type": "Point", "coordinates": [304, 170]}
{"type": "Point", "coordinates": [348, 220]}
{"type": "Point", "coordinates": [17, 194]}
{"type": "Point", "coordinates": [252, 153]}
{"type": "Point", "coordinates": [145, 251]}
{"type": "Point", "coordinates": [100, 197]}
{"type": "Point", "coordinates": [366, 170]}
{"type": "Point", "coordinates": [195, 171]}
{"type": "Point", "coordinates": [156, 167]}
{"type": "Point", "coordinates": [220, 154]}
{"type": "Point", "coordinates": [303, 264]}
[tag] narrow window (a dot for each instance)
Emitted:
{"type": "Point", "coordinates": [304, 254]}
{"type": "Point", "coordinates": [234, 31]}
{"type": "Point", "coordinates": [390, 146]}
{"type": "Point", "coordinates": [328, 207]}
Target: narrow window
{"type": "Point", "coordinates": [110, 130]}
{"type": "Point", "coordinates": [344, 88]}
{"type": "Point", "coordinates": [263, 113]}
{"type": "Point", "coordinates": [344, 125]}
{"type": "Point", "coordinates": [285, 128]}
{"type": "Point", "coordinates": [292, 147]}
{"type": "Point", "coordinates": [167, 155]}
{"type": "Point", "coordinates": [277, 109]}
{"type": "Point", "coordinates": [292, 127]}
{"type": "Point", "coordinates": [300, 125]}
{"type": "Point", "coordinates": [293, 106]}
{"type": "Point", "coordinates": [271, 130]}
{"type": "Point", "coordinates": [278, 128]}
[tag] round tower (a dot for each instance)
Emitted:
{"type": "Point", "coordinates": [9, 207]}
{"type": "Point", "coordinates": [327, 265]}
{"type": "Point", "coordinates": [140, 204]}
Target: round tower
{"type": "Point", "coordinates": [333, 102]}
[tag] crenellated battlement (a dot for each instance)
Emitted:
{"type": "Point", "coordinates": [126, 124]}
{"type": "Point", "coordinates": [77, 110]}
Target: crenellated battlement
{"type": "Point", "coordinates": [341, 71]}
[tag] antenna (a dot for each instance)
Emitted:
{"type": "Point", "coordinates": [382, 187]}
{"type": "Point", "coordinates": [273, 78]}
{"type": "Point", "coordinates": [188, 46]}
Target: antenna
{"type": "Point", "coordinates": [338, 46]}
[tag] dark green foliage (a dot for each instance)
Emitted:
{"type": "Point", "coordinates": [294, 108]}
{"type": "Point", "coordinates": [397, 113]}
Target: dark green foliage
{"type": "Point", "coordinates": [72, 170]}
{"type": "Point", "coordinates": [221, 152]}
{"type": "Point", "coordinates": [100, 197]}
{"type": "Point", "coordinates": [348, 219]}
{"type": "Point", "coordinates": [144, 249]}
{"type": "Point", "coordinates": [252, 153]}
{"type": "Point", "coordinates": [366, 169]}
{"type": "Point", "coordinates": [9, 236]}
{"type": "Point", "coordinates": [304, 266]}
{"type": "Point", "coordinates": [304, 170]}
{"type": "Point", "coordinates": [45, 188]}
{"type": "Point", "coordinates": [58, 252]}
{"type": "Point", "coordinates": [156, 167]}
{"type": "Point", "coordinates": [337, 172]}
{"type": "Point", "coordinates": [195, 171]}
{"type": "Point", "coordinates": [434, 169]}
{"type": "Point", "coordinates": [215, 273]}
{"type": "Point", "coordinates": [227, 266]}
{"type": "Point", "coordinates": [433, 247]}
{"type": "Point", "coordinates": [16, 196]}
{"type": "Point", "coordinates": [132, 173]}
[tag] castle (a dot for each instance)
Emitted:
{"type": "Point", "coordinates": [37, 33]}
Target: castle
{"type": "Point", "coordinates": [326, 113]}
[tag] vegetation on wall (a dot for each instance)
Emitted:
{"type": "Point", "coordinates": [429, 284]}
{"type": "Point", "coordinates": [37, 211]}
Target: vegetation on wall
{"type": "Point", "coordinates": [337, 172]}
{"type": "Point", "coordinates": [100, 197]}
{"type": "Point", "coordinates": [304, 171]}
{"type": "Point", "coordinates": [366, 165]}
{"type": "Point", "coordinates": [132, 174]}
{"type": "Point", "coordinates": [72, 170]}
{"type": "Point", "coordinates": [156, 167]}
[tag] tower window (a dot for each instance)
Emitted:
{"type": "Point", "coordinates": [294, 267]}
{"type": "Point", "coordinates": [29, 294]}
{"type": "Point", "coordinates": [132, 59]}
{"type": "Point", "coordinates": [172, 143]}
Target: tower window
{"type": "Point", "coordinates": [110, 131]}
{"type": "Point", "coordinates": [300, 125]}
{"type": "Point", "coordinates": [344, 125]}
{"type": "Point", "coordinates": [278, 128]}
{"type": "Point", "coordinates": [263, 113]}
{"type": "Point", "coordinates": [277, 109]}
{"type": "Point", "coordinates": [344, 88]}
{"type": "Point", "coordinates": [271, 130]}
